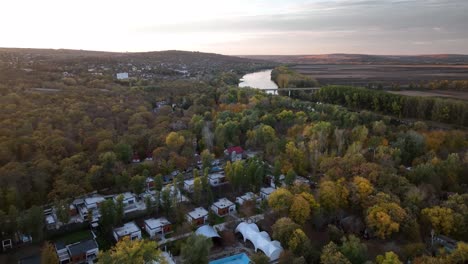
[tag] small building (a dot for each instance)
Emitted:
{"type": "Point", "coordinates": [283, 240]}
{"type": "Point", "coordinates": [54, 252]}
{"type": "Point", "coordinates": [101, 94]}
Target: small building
{"type": "Point", "coordinates": [447, 243]}
{"type": "Point", "coordinates": [89, 204]}
{"type": "Point", "coordinates": [234, 153]}
{"type": "Point", "coordinates": [198, 216]}
{"type": "Point", "coordinates": [149, 156]}
{"type": "Point", "coordinates": [217, 179]}
{"type": "Point", "coordinates": [129, 201]}
{"type": "Point", "coordinates": [136, 158]}
{"type": "Point", "coordinates": [83, 252]}
{"type": "Point", "coordinates": [271, 182]}
{"type": "Point", "coordinates": [157, 227]}
{"type": "Point", "coordinates": [188, 185]}
{"type": "Point", "coordinates": [122, 75]}
{"type": "Point", "coordinates": [223, 207]}
{"type": "Point", "coordinates": [249, 196]}
{"type": "Point", "coordinates": [62, 253]}
{"type": "Point", "coordinates": [50, 219]}
{"type": "Point", "coordinates": [128, 198]}
{"type": "Point", "coordinates": [149, 183]}
{"type": "Point", "coordinates": [129, 229]}
{"type": "Point", "coordinates": [265, 192]}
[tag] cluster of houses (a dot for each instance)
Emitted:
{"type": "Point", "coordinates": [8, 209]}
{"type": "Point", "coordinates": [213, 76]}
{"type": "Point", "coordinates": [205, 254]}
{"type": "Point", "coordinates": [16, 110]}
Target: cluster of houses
{"type": "Point", "coordinates": [86, 208]}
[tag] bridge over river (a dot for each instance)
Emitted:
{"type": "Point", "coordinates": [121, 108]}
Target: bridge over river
{"type": "Point", "coordinates": [275, 90]}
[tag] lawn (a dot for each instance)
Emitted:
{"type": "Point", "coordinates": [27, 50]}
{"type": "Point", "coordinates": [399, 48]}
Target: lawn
{"type": "Point", "coordinates": [75, 237]}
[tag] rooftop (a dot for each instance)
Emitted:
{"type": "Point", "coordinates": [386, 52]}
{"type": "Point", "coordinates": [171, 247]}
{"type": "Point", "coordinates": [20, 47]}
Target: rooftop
{"type": "Point", "coordinates": [267, 190]}
{"type": "Point", "coordinates": [198, 212]}
{"type": "Point", "coordinates": [223, 203]}
{"type": "Point", "coordinates": [189, 181]}
{"type": "Point", "coordinates": [126, 195]}
{"type": "Point", "coordinates": [82, 247]}
{"type": "Point", "coordinates": [94, 199]}
{"type": "Point", "coordinates": [155, 223]}
{"type": "Point", "coordinates": [247, 196]}
{"type": "Point", "coordinates": [216, 176]}
{"type": "Point", "coordinates": [126, 229]}
{"type": "Point", "coordinates": [237, 149]}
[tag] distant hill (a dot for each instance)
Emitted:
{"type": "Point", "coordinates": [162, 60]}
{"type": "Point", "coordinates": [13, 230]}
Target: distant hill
{"type": "Point", "coordinates": [30, 65]}
{"type": "Point", "coordinates": [339, 58]}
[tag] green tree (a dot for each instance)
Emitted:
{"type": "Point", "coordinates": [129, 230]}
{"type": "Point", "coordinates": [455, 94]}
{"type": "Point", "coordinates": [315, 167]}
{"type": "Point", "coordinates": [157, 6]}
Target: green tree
{"type": "Point", "coordinates": [137, 184]}
{"type": "Point", "coordinates": [119, 209]}
{"type": "Point", "coordinates": [107, 212]}
{"type": "Point", "coordinates": [196, 249]}
{"type": "Point", "coordinates": [62, 211]}
{"type": "Point", "coordinates": [290, 177]}
{"type": "Point", "coordinates": [158, 182]}
{"type": "Point", "coordinates": [353, 249]}
{"type": "Point", "coordinates": [197, 189]}
{"type": "Point", "coordinates": [124, 152]}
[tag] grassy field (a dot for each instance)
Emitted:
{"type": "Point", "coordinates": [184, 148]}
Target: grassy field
{"type": "Point", "coordinates": [362, 74]}
{"type": "Point", "coordinates": [75, 237]}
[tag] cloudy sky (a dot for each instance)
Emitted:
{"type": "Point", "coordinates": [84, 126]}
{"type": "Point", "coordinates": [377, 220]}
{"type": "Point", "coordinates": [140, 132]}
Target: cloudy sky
{"type": "Point", "coordinates": [239, 26]}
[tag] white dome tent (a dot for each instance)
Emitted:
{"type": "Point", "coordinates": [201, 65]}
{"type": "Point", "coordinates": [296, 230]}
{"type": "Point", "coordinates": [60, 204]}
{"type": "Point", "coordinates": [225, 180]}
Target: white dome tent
{"type": "Point", "coordinates": [207, 231]}
{"type": "Point", "coordinates": [260, 240]}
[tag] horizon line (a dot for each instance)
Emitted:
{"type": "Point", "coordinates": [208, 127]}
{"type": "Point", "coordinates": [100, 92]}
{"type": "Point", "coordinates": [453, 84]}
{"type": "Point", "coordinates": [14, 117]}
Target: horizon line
{"type": "Point", "coordinates": [241, 55]}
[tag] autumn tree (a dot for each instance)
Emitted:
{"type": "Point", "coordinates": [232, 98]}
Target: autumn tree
{"type": "Point", "coordinates": [388, 258]}
{"type": "Point", "coordinates": [333, 195]}
{"type": "Point", "coordinates": [280, 200]}
{"type": "Point", "coordinates": [442, 219]}
{"type": "Point", "coordinates": [131, 251]}
{"type": "Point", "coordinates": [331, 255]}
{"type": "Point", "coordinates": [175, 141]}
{"type": "Point", "coordinates": [48, 254]}
{"type": "Point", "coordinates": [301, 207]}
{"type": "Point", "coordinates": [361, 189]}
{"type": "Point", "coordinates": [283, 230]}
{"type": "Point", "coordinates": [385, 218]}
{"type": "Point", "coordinates": [299, 243]}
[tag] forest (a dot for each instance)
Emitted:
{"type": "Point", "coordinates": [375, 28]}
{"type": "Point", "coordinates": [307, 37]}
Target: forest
{"type": "Point", "coordinates": [396, 182]}
{"type": "Point", "coordinates": [419, 108]}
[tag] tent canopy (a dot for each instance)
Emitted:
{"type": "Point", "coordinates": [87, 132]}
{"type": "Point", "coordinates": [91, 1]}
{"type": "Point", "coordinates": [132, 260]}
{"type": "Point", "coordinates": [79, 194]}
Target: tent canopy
{"type": "Point", "coordinates": [207, 231]}
{"type": "Point", "coordinates": [260, 240]}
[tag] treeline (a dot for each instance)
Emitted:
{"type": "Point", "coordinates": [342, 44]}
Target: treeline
{"type": "Point", "coordinates": [284, 77]}
{"type": "Point", "coordinates": [457, 85]}
{"type": "Point", "coordinates": [433, 109]}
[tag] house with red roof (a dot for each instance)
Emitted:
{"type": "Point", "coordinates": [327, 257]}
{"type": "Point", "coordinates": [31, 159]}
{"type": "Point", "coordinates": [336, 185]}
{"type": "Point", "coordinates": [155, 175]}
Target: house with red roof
{"type": "Point", "coordinates": [234, 153]}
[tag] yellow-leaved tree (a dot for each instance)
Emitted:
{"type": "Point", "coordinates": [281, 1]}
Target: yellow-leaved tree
{"type": "Point", "coordinates": [131, 251]}
{"type": "Point", "coordinates": [280, 200]}
{"type": "Point", "coordinates": [442, 219]}
{"type": "Point", "coordinates": [361, 189]}
{"type": "Point", "coordinates": [385, 218]}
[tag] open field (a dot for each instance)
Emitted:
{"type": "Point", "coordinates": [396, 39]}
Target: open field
{"type": "Point", "coordinates": [349, 74]}
{"type": "Point", "coordinates": [446, 94]}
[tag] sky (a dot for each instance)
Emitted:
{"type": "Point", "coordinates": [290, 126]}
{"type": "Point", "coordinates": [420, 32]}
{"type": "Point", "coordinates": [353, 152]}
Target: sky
{"type": "Point", "coordinates": [239, 27]}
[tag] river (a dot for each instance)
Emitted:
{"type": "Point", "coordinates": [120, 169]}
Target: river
{"type": "Point", "coordinates": [259, 80]}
